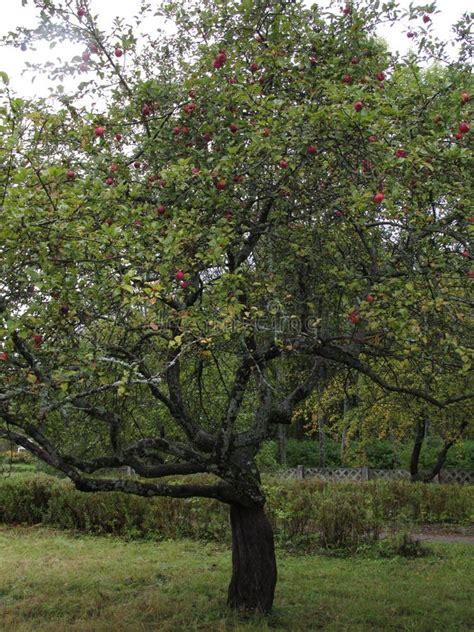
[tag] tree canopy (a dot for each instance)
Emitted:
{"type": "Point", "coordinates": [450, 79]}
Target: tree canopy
{"type": "Point", "coordinates": [218, 214]}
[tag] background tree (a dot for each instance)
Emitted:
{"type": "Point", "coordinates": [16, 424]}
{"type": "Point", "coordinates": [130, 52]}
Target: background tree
{"type": "Point", "coordinates": [261, 150]}
{"type": "Point", "coordinates": [375, 414]}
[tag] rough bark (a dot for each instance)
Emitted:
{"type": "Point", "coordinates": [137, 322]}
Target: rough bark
{"type": "Point", "coordinates": [440, 461]}
{"type": "Point", "coordinates": [254, 572]}
{"type": "Point", "coordinates": [281, 444]}
{"type": "Point", "coordinates": [416, 451]}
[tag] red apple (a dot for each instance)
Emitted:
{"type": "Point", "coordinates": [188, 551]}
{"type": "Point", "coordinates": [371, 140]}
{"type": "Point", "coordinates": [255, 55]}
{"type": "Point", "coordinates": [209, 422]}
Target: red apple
{"type": "Point", "coordinates": [99, 131]}
{"type": "Point", "coordinates": [379, 197]}
{"type": "Point", "coordinates": [266, 132]}
{"type": "Point", "coordinates": [70, 174]}
{"type": "Point", "coordinates": [189, 108]}
{"type": "Point", "coordinates": [458, 135]}
{"type": "Point", "coordinates": [347, 10]}
{"type": "Point", "coordinates": [311, 150]}
{"type": "Point", "coordinates": [464, 127]}
{"type": "Point", "coordinates": [253, 67]}
{"type": "Point", "coordinates": [338, 214]}
{"type": "Point", "coordinates": [81, 12]}
{"type": "Point", "coordinates": [109, 181]}
{"type": "Point", "coordinates": [113, 167]}
{"type": "Point", "coordinates": [118, 52]}
{"type": "Point", "coordinates": [465, 254]}
{"type": "Point", "coordinates": [83, 67]}
{"type": "Point", "coordinates": [233, 128]}
{"type": "Point", "coordinates": [137, 164]}
{"type": "Point", "coordinates": [179, 276]}
{"type": "Point", "coordinates": [313, 61]}
{"type": "Point", "coordinates": [372, 138]}
{"type": "Point", "coordinates": [184, 284]}
{"type": "Point", "coordinates": [220, 59]}
{"type": "Point", "coordinates": [380, 76]}
{"type": "Point", "coordinates": [354, 60]}
{"type": "Point", "coordinates": [347, 78]}
{"type": "Point", "coordinates": [137, 222]}
{"type": "Point", "coordinates": [86, 55]}
{"type": "Point", "coordinates": [426, 19]}
{"type": "Point", "coordinates": [401, 153]}
{"type": "Point", "coordinates": [93, 49]}
{"type": "Point", "coordinates": [283, 164]}
{"type": "Point", "coordinates": [358, 106]}
{"type": "Point", "coordinates": [38, 339]}
{"type": "Point", "coordinates": [465, 97]}
{"type": "Point", "coordinates": [370, 298]}
{"type": "Point", "coordinates": [220, 185]}
{"type": "Point", "coordinates": [118, 136]}
{"type": "Point", "coordinates": [354, 317]}
{"type": "Point", "coordinates": [195, 170]}
{"type": "Point", "coordinates": [410, 34]}
{"type": "Point", "coordinates": [4, 356]}
{"type": "Point", "coordinates": [146, 110]}
{"type": "Point", "coordinates": [161, 209]}
{"type": "Point", "coordinates": [109, 221]}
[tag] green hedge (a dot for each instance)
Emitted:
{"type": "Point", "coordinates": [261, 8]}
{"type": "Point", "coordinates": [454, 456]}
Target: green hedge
{"type": "Point", "coordinates": [341, 513]}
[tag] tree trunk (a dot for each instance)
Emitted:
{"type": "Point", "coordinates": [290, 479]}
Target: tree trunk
{"type": "Point", "coordinates": [281, 444]}
{"type": "Point", "coordinates": [415, 453]}
{"type": "Point", "coordinates": [322, 441]}
{"type": "Point", "coordinates": [440, 461]}
{"type": "Point", "coordinates": [254, 573]}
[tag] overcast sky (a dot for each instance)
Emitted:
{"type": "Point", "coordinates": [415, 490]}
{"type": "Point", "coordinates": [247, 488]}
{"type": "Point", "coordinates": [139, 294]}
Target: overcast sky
{"type": "Point", "coordinates": [13, 14]}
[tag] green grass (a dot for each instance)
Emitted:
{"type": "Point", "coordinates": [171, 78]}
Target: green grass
{"type": "Point", "coordinates": [53, 581]}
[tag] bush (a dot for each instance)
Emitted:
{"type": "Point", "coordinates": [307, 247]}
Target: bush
{"type": "Point", "coordinates": [13, 457]}
{"type": "Point", "coordinates": [404, 545]}
{"type": "Point", "coordinates": [343, 514]}
{"type": "Point", "coordinates": [267, 457]}
{"type": "Point", "coordinates": [377, 454]}
{"type": "Point", "coordinates": [306, 452]}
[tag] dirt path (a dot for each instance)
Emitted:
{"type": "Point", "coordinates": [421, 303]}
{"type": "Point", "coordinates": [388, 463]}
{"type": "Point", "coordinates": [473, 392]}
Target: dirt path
{"type": "Point", "coordinates": [446, 535]}
{"type": "Point", "coordinates": [443, 538]}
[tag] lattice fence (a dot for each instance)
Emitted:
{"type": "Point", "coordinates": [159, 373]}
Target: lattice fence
{"type": "Point", "coordinates": [390, 475]}
{"type": "Point", "coordinates": [337, 474]}
{"type": "Point", "coordinates": [457, 476]}
{"type": "Point", "coordinates": [366, 474]}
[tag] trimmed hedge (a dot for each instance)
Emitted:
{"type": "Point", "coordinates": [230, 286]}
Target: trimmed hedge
{"type": "Point", "coordinates": [342, 513]}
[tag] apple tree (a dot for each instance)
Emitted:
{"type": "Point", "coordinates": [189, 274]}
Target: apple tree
{"type": "Point", "coordinates": [214, 216]}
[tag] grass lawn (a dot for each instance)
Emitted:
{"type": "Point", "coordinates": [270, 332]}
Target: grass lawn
{"type": "Point", "coordinates": [54, 581]}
